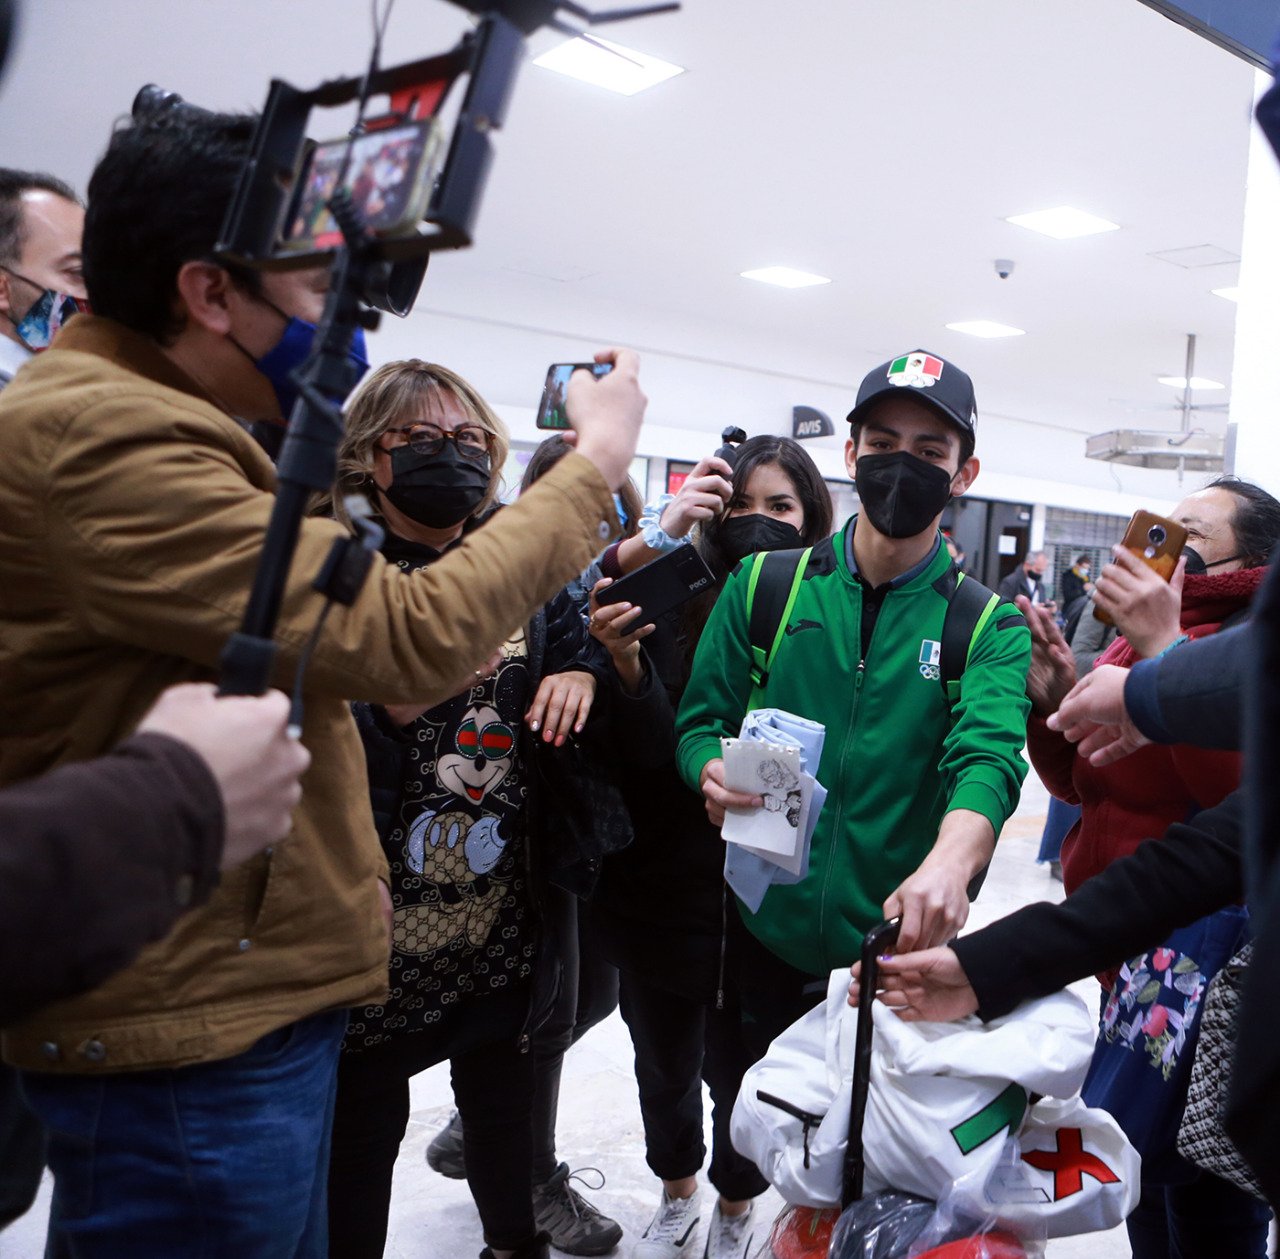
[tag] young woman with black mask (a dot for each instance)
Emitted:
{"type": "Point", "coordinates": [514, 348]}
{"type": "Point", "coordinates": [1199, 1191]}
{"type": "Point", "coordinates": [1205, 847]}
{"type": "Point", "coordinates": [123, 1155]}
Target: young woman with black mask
{"type": "Point", "coordinates": [451, 789]}
{"type": "Point", "coordinates": [589, 984]}
{"type": "Point", "coordinates": [660, 910]}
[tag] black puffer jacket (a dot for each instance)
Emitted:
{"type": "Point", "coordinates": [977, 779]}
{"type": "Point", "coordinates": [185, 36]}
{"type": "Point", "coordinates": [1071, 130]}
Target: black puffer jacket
{"type": "Point", "coordinates": [658, 911]}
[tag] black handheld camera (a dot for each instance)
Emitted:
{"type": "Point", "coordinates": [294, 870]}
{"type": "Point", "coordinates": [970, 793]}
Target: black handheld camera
{"type": "Point", "coordinates": [731, 438]}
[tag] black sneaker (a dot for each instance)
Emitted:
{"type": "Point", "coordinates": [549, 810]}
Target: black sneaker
{"type": "Point", "coordinates": [572, 1223]}
{"type": "Point", "coordinates": [444, 1154]}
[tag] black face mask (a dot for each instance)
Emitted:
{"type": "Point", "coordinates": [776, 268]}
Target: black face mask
{"type": "Point", "coordinates": [1195, 563]}
{"type": "Point", "coordinates": [740, 536]}
{"type": "Point", "coordinates": [900, 493]}
{"type": "Point", "coordinates": [437, 490]}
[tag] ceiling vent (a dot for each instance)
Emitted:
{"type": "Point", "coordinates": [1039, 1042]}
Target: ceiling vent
{"type": "Point", "coordinates": [1197, 256]}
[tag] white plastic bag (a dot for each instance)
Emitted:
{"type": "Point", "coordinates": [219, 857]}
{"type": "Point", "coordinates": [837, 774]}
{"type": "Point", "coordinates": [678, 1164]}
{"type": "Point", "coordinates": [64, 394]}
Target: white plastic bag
{"type": "Point", "coordinates": [943, 1099]}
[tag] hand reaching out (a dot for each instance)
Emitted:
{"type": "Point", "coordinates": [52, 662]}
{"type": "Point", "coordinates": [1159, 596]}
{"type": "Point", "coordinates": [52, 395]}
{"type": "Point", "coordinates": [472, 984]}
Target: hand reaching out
{"type": "Point", "coordinates": [243, 741]}
{"type": "Point", "coordinates": [1094, 716]}
{"type": "Point", "coordinates": [929, 986]}
{"type": "Point", "coordinates": [1053, 668]}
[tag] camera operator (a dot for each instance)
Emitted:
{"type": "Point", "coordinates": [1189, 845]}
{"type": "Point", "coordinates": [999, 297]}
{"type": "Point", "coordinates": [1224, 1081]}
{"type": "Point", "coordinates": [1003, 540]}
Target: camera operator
{"type": "Point", "coordinates": [191, 1093]}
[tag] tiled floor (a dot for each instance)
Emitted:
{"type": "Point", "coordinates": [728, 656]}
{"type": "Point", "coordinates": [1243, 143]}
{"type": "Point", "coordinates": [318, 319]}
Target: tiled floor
{"type": "Point", "coordinates": [599, 1126]}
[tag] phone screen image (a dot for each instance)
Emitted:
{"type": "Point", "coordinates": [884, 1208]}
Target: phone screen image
{"type": "Point", "coordinates": [386, 176]}
{"type": "Point", "coordinates": [551, 412]}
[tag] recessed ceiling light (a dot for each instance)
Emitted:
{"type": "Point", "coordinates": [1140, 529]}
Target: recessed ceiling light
{"type": "Point", "coordinates": [1231, 293]}
{"type": "Point", "coordinates": [785, 277]}
{"type": "Point", "coordinates": [1197, 382]}
{"type": "Point", "coordinates": [604, 64]}
{"type": "Point", "coordinates": [986, 328]}
{"type": "Point", "coordinates": [1063, 223]}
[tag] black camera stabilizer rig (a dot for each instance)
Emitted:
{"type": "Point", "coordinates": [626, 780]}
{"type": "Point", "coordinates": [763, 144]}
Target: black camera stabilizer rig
{"type": "Point", "coordinates": [369, 274]}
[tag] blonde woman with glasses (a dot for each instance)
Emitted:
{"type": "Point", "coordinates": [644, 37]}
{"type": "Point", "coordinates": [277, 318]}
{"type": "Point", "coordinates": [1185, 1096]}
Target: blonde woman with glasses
{"type": "Point", "coordinates": [471, 973]}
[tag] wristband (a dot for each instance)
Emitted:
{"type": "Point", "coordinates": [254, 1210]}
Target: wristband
{"type": "Point", "coordinates": [651, 532]}
{"type": "Point", "coordinates": [1177, 642]}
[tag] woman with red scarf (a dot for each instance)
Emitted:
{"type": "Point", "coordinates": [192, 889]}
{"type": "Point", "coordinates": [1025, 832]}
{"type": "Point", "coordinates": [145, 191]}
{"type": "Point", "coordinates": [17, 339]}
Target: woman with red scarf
{"type": "Point", "coordinates": [1232, 526]}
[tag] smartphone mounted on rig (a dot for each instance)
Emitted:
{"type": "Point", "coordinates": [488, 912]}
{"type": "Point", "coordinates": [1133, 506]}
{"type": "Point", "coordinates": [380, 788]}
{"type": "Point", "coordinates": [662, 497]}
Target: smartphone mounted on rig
{"type": "Point", "coordinates": [374, 206]}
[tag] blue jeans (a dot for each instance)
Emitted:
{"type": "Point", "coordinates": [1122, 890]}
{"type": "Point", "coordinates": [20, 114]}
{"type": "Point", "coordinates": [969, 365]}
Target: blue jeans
{"type": "Point", "coordinates": [1206, 1218]}
{"type": "Point", "coordinates": [1059, 820]}
{"type": "Point", "coordinates": [224, 1160]}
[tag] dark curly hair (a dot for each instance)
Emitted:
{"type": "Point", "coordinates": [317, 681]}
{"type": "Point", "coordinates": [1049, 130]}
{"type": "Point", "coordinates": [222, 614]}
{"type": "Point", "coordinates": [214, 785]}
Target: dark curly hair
{"type": "Point", "coordinates": [156, 201]}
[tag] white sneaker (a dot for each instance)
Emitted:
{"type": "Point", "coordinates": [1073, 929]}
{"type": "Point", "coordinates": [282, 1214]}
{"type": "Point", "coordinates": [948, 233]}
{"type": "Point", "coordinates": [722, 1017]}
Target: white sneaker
{"type": "Point", "coordinates": [671, 1231]}
{"type": "Point", "coordinates": [729, 1236]}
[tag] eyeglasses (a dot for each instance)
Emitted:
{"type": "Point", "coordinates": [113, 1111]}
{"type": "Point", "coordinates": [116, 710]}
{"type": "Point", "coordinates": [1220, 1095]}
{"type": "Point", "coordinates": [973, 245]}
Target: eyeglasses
{"type": "Point", "coordinates": [471, 441]}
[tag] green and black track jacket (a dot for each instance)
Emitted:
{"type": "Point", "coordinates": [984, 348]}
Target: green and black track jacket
{"type": "Point", "coordinates": [894, 761]}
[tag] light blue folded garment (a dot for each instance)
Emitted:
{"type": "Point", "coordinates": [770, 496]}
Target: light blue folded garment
{"type": "Point", "coordinates": [749, 874]}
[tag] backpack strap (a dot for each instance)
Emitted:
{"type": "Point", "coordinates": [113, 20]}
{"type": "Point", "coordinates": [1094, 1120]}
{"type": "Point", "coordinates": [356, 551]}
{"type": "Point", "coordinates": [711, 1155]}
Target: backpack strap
{"type": "Point", "coordinates": [772, 588]}
{"type": "Point", "coordinates": [969, 608]}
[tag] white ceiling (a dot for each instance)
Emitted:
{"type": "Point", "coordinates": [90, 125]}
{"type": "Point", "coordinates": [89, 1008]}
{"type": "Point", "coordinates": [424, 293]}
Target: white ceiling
{"type": "Point", "coordinates": [878, 142]}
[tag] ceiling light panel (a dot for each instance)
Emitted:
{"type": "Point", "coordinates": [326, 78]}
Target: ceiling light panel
{"type": "Point", "coordinates": [1063, 223]}
{"type": "Point", "coordinates": [1197, 382]}
{"type": "Point", "coordinates": [785, 277]}
{"type": "Point", "coordinates": [607, 65]}
{"type": "Point", "coordinates": [986, 328]}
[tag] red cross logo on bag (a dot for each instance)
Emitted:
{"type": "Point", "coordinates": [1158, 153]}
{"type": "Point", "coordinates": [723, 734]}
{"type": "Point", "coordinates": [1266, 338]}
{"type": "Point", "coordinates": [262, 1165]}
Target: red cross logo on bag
{"type": "Point", "coordinates": [1070, 1164]}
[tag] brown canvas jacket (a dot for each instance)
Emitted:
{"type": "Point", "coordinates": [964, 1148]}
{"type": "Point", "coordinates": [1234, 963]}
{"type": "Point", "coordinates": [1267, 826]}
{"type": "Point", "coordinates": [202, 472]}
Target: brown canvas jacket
{"type": "Point", "coordinates": [132, 512]}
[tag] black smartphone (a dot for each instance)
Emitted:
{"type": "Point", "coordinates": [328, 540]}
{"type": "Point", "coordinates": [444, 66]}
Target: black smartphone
{"type": "Point", "coordinates": [551, 413]}
{"type": "Point", "coordinates": [662, 586]}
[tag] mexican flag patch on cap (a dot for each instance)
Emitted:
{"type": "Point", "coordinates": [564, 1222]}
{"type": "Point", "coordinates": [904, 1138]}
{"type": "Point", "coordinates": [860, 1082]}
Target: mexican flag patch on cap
{"type": "Point", "coordinates": [918, 370]}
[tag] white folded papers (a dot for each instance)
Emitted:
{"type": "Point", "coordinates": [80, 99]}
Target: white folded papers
{"type": "Point", "coordinates": [773, 757]}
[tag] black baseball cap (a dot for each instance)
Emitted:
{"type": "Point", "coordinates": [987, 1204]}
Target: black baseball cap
{"type": "Point", "coordinates": [930, 379]}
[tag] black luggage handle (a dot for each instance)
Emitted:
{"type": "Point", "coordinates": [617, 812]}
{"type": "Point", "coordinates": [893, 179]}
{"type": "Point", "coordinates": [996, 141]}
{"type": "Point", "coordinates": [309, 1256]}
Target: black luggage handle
{"type": "Point", "coordinates": [874, 943]}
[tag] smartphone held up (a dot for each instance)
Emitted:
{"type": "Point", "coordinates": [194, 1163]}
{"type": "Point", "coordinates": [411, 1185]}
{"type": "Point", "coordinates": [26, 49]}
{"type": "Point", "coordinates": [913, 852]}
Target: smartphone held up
{"type": "Point", "coordinates": [1156, 541]}
{"type": "Point", "coordinates": [551, 412]}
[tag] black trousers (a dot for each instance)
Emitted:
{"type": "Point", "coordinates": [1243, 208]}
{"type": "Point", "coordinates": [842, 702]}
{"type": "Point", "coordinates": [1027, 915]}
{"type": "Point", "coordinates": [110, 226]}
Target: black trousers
{"type": "Point", "coordinates": [493, 1087]}
{"type": "Point", "coordinates": [588, 994]}
{"type": "Point", "coordinates": [679, 1043]}
{"type": "Point", "coordinates": [771, 994]}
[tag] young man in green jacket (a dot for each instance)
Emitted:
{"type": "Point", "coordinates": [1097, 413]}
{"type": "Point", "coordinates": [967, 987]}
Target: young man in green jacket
{"type": "Point", "coordinates": [920, 781]}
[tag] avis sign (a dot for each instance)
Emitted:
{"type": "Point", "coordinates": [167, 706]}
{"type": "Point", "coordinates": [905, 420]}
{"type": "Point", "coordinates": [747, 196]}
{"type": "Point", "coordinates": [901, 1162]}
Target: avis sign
{"type": "Point", "coordinates": [810, 422]}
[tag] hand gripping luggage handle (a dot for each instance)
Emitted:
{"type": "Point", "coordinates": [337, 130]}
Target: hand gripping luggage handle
{"type": "Point", "coordinates": [874, 943]}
